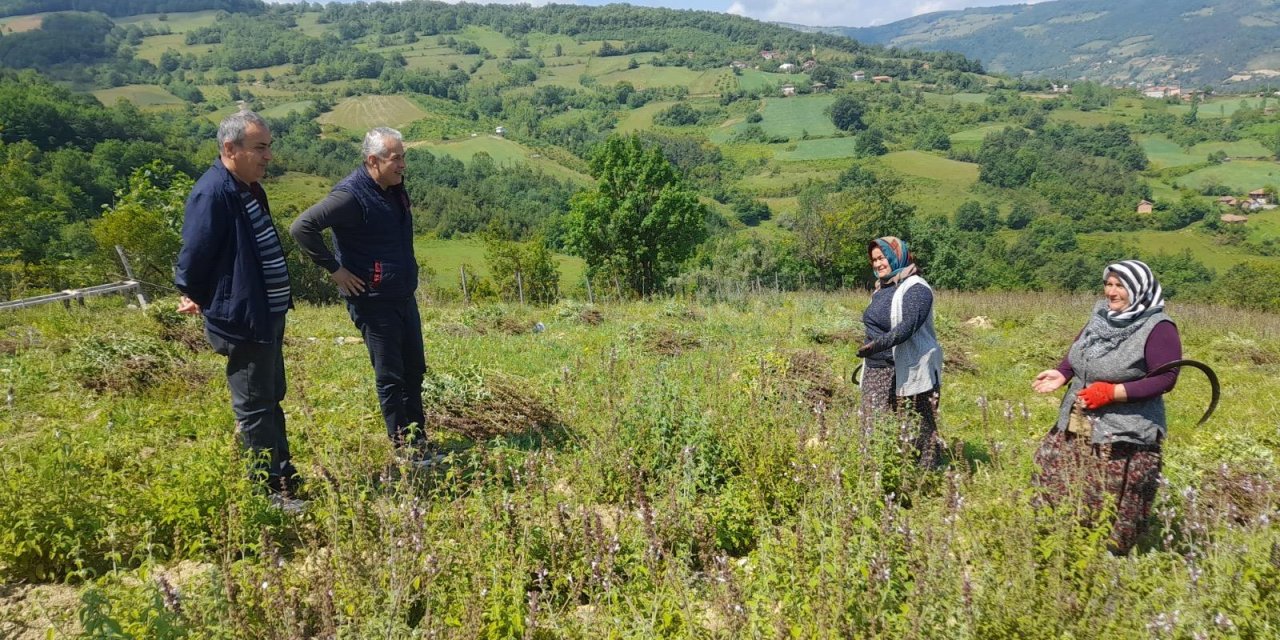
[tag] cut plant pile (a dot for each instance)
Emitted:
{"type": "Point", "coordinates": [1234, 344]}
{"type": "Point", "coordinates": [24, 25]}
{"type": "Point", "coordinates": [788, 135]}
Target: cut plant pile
{"type": "Point", "coordinates": [480, 406]}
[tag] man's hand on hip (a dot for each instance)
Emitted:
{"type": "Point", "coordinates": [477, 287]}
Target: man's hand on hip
{"type": "Point", "coordinates": [348, 283]}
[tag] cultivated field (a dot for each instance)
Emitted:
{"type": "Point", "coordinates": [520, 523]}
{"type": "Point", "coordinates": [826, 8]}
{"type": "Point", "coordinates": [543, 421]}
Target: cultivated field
{"type": "Point", "coordinates": [503, 152]}
{"type": "Point", "coordinates": [141, 95]}
{"type": "Point", "coordinates": [365, 112]}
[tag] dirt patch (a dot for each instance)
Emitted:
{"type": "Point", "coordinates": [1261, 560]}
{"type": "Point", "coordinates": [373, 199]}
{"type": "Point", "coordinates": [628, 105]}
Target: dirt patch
{"type": "Point", "coordinates": [31, 612]}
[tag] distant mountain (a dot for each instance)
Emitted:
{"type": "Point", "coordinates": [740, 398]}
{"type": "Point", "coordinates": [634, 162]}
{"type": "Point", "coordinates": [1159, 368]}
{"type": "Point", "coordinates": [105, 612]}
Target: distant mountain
{"type": "Point", "coordinates": [1187, 42]}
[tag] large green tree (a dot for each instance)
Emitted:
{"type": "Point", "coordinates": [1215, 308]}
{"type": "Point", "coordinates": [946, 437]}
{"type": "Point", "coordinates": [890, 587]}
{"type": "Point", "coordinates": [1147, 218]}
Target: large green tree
{"type": "Point", "coordinates": [640, 223]}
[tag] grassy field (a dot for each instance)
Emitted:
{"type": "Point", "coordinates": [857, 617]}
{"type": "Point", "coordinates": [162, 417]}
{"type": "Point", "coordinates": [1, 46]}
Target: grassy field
{"type": "Point", "coordinates": [789, 117]}
{"type": "Point", "coordinates": [293, 192]}
{"type": "Point", "coordinates": [657, 469]}
{"type": "Point", "coordinates": [1242, 176]}
{"type": "Point", "coordinates": [502, 151]}
{"type": "Point", "coordinates": [651, 77]}
{"type": "Point", "coordinates": [972, 138]}
{"type": "Point", "coordinates": [364, 112]}
{"type": "Point", "coordinates": [821, 149]}
{"type": "Point", "coordinates": [754, 80]}
{"type": "Point", "coordinates": [141, 95]}
{"type": "Point", "coordinates": [1203, 248]}
{"type": "Point", "coordinates": [287, 108]}
{"type": "Point", "coordinates": [446, 257]}
{"type": "Point", "coordinates": [1165, 153]}
{"type": "Point", "coordinates": [1221, 107]}
{"type": "Point", "coordinates": [933, 183]}
{"type": "Point", "coordinates": [634, 120]}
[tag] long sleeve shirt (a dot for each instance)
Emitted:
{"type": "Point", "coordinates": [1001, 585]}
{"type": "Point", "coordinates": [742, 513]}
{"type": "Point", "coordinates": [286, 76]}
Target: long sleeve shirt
{"type": "Point", "coordinates": [1163, 346]}
{"type": "Point", "coordinates": [877, 319]}
{"type": "Point", "coordinates": [339, 208]}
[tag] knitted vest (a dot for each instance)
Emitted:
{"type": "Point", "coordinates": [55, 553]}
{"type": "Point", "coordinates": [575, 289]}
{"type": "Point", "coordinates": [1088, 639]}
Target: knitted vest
{"type": "Point", "coordinates": [1141, 422]}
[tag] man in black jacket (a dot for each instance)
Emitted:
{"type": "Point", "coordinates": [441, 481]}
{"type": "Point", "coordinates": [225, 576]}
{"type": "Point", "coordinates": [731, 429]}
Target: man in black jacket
{"type": "Point", "coordinates": [231, 269]}
{"type": "Point", "coordinates": [377, 273]}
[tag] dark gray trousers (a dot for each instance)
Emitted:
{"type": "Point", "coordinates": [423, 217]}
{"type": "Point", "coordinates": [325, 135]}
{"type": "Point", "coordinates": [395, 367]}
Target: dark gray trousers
{"type": "Point", "coordinates": [255, 373]}
{"type": "Point", "coordinates": [392, 331]}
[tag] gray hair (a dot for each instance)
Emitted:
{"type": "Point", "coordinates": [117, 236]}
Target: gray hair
{"type": "Point", "coordinates": [232, 129]}
{"type": "Point", "coordinates": [375, 142]}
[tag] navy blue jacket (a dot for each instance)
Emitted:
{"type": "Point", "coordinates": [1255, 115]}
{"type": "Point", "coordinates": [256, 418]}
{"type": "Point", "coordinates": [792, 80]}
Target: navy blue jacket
{"type": "Point", "coordinates": [380, 249]}
{"type": "Point", "coordinates": [218, 266]}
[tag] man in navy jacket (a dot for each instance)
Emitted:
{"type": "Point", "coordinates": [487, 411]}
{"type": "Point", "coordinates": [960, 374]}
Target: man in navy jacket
{"type": "Point", "coordinates": [231, 269]}
{"type": "Point", "coordinates": [377, 273]}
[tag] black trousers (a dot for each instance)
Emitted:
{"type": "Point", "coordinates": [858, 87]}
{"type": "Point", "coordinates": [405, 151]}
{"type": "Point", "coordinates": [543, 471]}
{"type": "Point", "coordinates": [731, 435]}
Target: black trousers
{"type": "Point", "coordinates": [392, 331]}
{"type": "Point", "coordinates": [255, 373]}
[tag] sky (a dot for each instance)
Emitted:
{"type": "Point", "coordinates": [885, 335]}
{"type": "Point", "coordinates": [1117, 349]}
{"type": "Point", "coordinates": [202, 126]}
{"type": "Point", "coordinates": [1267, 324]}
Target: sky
{"type": "Point", "coordinates": [816, 13]}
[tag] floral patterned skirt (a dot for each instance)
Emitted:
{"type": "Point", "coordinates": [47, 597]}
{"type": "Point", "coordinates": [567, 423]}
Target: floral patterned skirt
{"type": "Point", "coordinates": [1129, 473]}
{"type": "Point", "coordinates": [918, 413]}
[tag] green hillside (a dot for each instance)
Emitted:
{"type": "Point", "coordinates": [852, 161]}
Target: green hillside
{"type": "Point", "coordinates": [1189, 42]}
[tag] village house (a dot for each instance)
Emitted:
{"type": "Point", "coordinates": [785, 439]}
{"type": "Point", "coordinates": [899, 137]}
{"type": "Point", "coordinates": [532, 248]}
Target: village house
{"type": "Point", "coordinates": [1228, 201]}
{"type": "Point", "coordinates": [1233, 218]}
{"type": "Point", "coordinates": [787, 67]}
{"type": "Point", "coordinates": [1146, 206]}
{"type": "Point", "coordinates": [879, 79]}
{"type": "Point", "coordinates": [1162, 92]}
{"type": "Point", "coordinates": [1059, 88]}
{"type": "Point", "coordinates": [500, 131]}
{"type": "Point", "coordinates": [767, 54]}
{"type": "Point", "coordinates": [818, 87]}
{"type": "Point", "coordinates": [809, 64]}
{"type": "Point", "coordinates": [788, 90]}
{"type": "Point", "coordinates": [738, 64]}
{"type": "Point", "coordinates": [1259, 196]}
{"type": "Point", "coordinates": [859, 76]}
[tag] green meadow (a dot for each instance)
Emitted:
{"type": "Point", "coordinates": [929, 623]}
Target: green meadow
{"type": "Point", "coordinates": [1241, 176]}
{"type": "Point", "coordinates": [669, 468]}
{"type": "Point", "coordinates": [933, 183]}
{"type": "Point", "coordinates": [141, 95]}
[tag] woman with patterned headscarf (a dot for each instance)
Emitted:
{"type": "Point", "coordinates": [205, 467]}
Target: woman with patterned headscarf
{"type": "Point", "coordinates": [1112, 420]}
{"type": "Point", "coordinates": [902, 372]}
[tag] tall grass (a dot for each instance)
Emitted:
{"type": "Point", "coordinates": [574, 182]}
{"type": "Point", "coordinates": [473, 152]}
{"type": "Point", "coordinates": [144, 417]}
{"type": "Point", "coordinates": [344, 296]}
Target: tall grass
{"type": "Point", "coordinates": [707, 475]}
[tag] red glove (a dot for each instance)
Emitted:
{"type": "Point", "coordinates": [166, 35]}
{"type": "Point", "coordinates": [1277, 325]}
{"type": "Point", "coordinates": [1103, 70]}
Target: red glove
{"type": "Point", "coordinates": [1097, 395]}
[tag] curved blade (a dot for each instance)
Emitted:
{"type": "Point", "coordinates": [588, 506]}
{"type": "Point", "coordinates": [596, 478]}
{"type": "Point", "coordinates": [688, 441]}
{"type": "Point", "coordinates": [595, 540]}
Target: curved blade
{"type": "Point", "coordinates": [1214, 387]}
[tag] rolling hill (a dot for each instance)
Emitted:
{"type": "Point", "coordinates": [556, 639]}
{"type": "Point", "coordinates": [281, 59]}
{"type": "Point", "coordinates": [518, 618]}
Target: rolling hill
{"type": "Point", "coordinates": [1187, 42]}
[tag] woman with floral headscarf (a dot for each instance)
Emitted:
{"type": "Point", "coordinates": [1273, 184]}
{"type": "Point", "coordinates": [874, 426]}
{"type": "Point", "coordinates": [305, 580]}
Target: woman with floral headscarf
{"type": "Point", "coordinates": [1111, 422]}
{"type": "Point", "coordinates": [902, 370]}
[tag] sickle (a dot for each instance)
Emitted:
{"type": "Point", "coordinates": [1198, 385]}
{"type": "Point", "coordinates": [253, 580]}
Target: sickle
{"type": "Point", "coordinates": [1214, 387]}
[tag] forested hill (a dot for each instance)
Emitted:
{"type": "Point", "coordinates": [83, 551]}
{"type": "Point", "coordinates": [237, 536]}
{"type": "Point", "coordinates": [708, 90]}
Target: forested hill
{"type": "Point", "coordinates": [117, 8]}
{"type": "Point", "coordinates": [1188, 42]}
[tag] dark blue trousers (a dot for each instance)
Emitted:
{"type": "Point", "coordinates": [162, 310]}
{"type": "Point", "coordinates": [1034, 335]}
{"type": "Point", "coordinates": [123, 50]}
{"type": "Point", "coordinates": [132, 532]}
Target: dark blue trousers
{"type": "Point", "coordinates": [255, 373]}
{"type": "Point", "coordinates": [392, 331]}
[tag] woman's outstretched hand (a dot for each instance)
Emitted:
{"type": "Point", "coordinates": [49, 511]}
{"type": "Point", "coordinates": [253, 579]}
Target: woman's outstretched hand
{"type": "Point", "coordinates": [1048, 381]}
